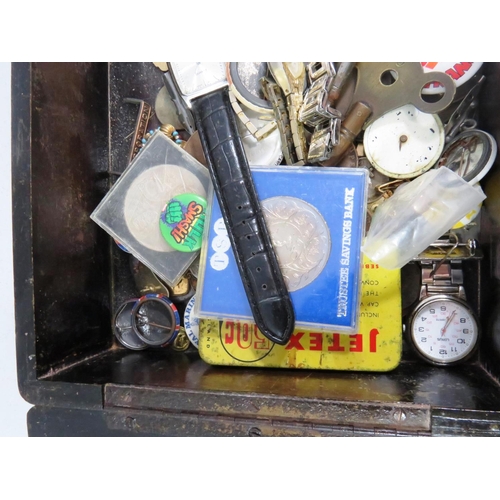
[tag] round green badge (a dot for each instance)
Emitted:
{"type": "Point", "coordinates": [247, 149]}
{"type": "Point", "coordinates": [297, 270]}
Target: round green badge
{"type": "Point", "coordinates": [182, 221]}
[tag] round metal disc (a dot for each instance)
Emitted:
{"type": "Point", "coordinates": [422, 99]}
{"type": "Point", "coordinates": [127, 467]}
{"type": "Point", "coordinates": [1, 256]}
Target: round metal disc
{"type": "Point", "coordinates": [300, 237]}
{"type": "Point", "coordinates": [155, 320]}
{"type": "Point", "coordinates": [123, 328]}
{"type": "Point", "coordinates": [404, 142]}
{"type": "Point", "coordinates": [147, 196]}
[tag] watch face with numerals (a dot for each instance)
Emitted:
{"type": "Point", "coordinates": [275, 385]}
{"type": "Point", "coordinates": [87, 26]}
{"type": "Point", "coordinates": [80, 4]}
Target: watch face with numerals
{"type": "Point", "coordinates": [444, 330]}
{"type": "Point", "coordinates": [197, 78]}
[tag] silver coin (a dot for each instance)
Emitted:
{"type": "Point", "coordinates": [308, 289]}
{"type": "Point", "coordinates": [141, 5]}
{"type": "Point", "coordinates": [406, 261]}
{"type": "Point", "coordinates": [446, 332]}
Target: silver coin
{"type": "Point", "coordinates": [301, 239]}
{"type": "Point", "coordinates": [147, 196]}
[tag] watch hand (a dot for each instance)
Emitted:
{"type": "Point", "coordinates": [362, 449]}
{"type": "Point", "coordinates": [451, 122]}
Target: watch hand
{"type": "Point", "coordinates": [448, 321]}
{"type": "Point", "coordinates": [402, 140]}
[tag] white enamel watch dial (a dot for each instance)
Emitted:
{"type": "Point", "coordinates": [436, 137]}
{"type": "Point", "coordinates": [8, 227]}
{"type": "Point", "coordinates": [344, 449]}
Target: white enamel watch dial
{"type": "Point", "coordinates": [197, 78]}
{"type": "Point", "coordinates": [444, 330]}
{"type": "Point", "coordinates": [404, 142]}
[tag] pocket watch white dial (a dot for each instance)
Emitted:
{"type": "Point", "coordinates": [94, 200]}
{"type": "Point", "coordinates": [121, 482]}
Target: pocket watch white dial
{"type": "Point", "coordinates": [444, 330]}
{"type": "Point", "coordinates": [404, 142]}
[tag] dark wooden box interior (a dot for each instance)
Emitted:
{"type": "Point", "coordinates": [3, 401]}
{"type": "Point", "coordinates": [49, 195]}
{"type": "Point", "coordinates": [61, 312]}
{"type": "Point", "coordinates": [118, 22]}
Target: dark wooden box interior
{"type": "Point", "coordinates": [71, 135]}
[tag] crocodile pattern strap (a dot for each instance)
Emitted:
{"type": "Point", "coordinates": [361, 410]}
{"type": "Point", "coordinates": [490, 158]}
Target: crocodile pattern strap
{"type": "Point", "coordinates": [233, 184]}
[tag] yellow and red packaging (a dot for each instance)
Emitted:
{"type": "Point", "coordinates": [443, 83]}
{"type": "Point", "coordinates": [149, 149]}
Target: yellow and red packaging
{"type": "Point", "coordinates": [376, 347]}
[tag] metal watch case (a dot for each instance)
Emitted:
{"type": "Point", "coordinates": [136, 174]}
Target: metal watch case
{"type": "Point", "coordinates": [439, 298]}
{"type": "Point", "coordinates": [205, 90]}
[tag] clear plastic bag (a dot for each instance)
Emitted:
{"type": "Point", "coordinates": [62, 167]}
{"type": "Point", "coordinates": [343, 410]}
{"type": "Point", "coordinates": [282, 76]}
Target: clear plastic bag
{"type": "Point", "coordinates": [417, 214]}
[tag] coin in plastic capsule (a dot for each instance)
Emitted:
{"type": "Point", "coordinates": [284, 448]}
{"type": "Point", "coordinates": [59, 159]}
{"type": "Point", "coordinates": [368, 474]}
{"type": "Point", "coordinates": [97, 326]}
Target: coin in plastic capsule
{"type": "Point", "coordinates": [182, 220]}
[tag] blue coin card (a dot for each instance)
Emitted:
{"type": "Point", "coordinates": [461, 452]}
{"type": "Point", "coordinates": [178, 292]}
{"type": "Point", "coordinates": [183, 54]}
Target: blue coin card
{"type": "Point", "coordinates": [316, 217]}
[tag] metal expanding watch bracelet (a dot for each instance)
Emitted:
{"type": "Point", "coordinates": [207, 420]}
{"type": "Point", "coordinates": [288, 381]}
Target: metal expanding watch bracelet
{"type": "Point", "coordinates": [274, 94]}
{"type": "Point", "coordinates": [442, 278]}
{"type": "Point", "coordinates": [260, 133]}
{"type": "Point", "coordinates": [443, 328]}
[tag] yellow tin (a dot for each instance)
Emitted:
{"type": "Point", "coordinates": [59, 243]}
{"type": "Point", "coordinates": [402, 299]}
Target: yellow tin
{"type": "Point", "coordinates": [377, 346]}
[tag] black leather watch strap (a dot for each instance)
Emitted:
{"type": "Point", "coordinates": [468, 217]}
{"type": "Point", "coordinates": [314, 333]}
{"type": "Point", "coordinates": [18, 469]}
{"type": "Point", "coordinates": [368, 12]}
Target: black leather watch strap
{"type": "Point", "coordinates": [233, 184]}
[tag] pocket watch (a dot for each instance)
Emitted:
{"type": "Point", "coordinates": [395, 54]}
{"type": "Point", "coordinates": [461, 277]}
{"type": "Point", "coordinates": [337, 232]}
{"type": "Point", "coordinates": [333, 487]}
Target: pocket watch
{"type": "Point", "coordinates": [442, 328]}
{"type": "Point", "coordinates": [404, 142]}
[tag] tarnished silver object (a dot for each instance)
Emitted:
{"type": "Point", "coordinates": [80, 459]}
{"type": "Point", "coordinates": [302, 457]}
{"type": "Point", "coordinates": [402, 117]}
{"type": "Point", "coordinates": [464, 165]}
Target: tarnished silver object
{"type": "Point", "coordinates": [471, 155]}
{"type": "Point", "coordinates": [315, 110]}
{"type": "Point", "coordinates": [386, 86]}
{"type": "Point", "coordinates": [300, 237]}
{"type": "Point", "coordinates": [316, 70]}
{"type": "Point", "coordinates": [463, 118]}
{"type": "Point", "coordinates": [323, 140]}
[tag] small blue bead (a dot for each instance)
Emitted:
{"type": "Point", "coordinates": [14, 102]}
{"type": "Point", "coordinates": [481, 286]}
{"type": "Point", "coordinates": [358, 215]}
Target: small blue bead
{"type": "Point", "coordinates": [178, 141]}
{"type": "Point", "coordinates": [143, 141]}
{"type": "Point", "coordinates": [175, 133]}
